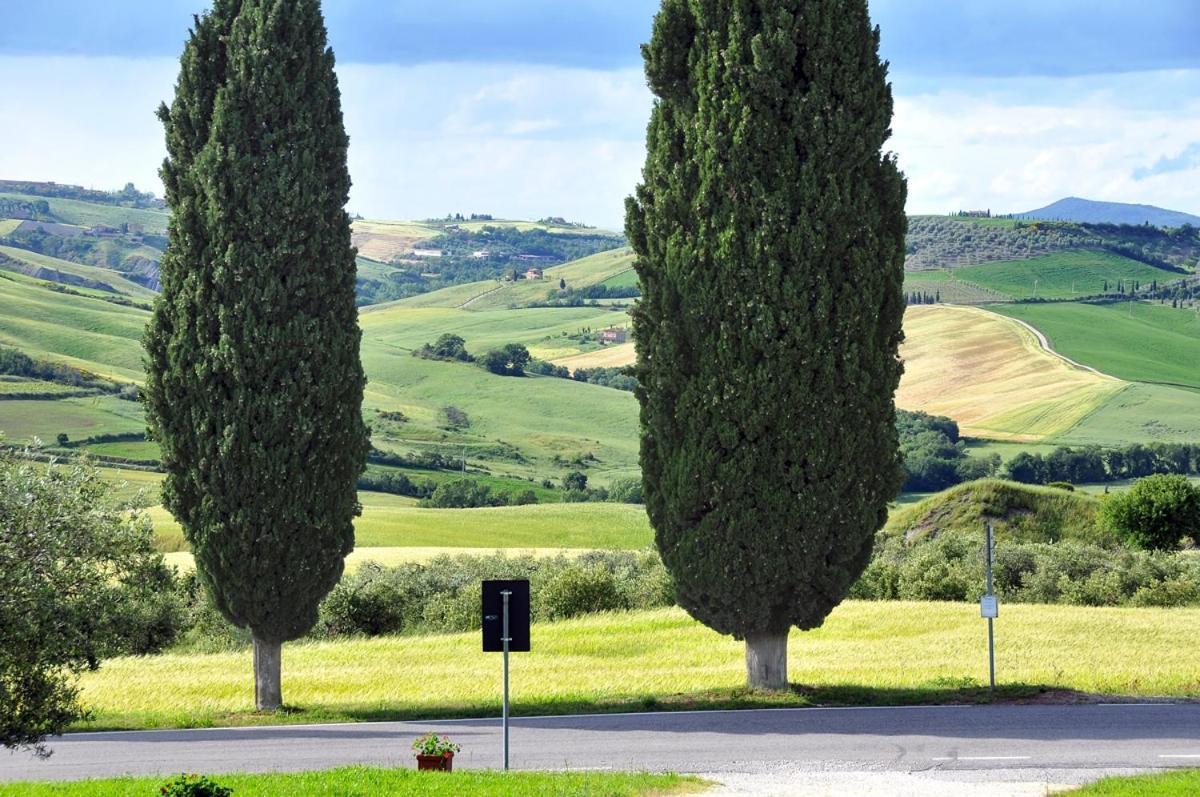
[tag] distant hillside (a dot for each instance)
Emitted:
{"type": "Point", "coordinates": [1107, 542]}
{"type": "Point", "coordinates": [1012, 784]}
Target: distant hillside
{"type": "Point", "coordinates": [1091, 212]}
{"type": "Point", "coordinates": [951, 242]}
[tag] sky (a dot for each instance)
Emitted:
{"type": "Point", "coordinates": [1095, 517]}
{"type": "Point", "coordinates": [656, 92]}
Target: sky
{"type": "Point", "coordinates": [532, 108]}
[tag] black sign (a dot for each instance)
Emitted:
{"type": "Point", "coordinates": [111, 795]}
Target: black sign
{"type": "Point", "coordinates": [493, 615]}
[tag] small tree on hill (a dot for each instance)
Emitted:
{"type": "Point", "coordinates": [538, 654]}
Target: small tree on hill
{"type": "Point", "coordinates": [1156, 513]}
{"type": "Point", "coordinates": [254, 385]}
{"type": "Point", "coordinates": [769, 232]}
{"type": "Point", "coordinates": [510, 360]}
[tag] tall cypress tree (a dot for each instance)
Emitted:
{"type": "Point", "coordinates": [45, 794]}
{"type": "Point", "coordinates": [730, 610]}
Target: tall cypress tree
{"type": "Point", "coordinates": [769, 230]}
{"type": "Point", "coordinates": [254, 385]}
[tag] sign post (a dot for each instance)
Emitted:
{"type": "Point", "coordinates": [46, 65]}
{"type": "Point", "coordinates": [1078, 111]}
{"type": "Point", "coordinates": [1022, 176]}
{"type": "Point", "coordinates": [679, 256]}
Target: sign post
{"type": "Point", "coordinates": [989, 606]}
{"type": "Point", "coordinates": [505, 630]}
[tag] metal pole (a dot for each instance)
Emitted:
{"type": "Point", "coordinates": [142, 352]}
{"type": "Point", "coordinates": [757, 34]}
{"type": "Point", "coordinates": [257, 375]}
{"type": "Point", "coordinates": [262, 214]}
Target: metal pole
{"type": "Point", "coordinates": [505, 639]}
{"type": "Point", "coordinates": [991, 637]}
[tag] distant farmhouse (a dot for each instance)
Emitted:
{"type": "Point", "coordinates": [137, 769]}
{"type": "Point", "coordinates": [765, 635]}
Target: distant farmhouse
{"type": "Point", "coordinates": [612, 335]}
{"type": "Point", "coordinates": [534, 273]}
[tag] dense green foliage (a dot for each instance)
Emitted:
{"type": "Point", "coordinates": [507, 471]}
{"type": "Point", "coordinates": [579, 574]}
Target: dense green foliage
{"type": "Point", "coordinates": [769, 231]}
{"type": "Point", "coordinates": [194, 786]}
{"type": "Point", "coordinates": [950, 567]}
{"type": "Point", "coordinates": [17, 363]}
{"type": "Point", "coordinates": [79, 581]}
{"type": "Point", "coordinates": [448, 347]}
{"type": "Point", "coordinates": [934, 456]}
{"type": "Point", "coordinates": [254, 385]}
{"type": "Point", "coordinates": [942, 241]}
{"type": "Point", "coordinates": [508, 360]}
{"type": "Point", "coordinates": [470, 494]}
{"type": "Point", "coordinates": [1091, 464]}
{"type": "Point", "coordinates": [1156, 514]}
{"type": "Point", "coordinates": [442, 595]}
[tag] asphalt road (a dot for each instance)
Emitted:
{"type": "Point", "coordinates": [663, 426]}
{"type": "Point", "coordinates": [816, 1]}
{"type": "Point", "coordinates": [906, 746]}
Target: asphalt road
{"type": "Point", "coordinates": [964, 739]}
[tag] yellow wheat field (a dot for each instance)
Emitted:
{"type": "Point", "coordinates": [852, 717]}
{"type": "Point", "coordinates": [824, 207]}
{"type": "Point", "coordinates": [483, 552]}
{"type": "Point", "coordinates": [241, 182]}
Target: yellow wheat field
{"type": "Point", "coordinates": [993, 376]}
{"type": "Point", "coordinates": [617, 356]}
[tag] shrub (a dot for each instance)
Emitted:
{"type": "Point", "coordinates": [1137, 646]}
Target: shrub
{"type": "Point", "coordinates": [580, 590]}
{"type": "Point", "coordinates": [447, 347]}
{"type": "Point", "coordinates": [509, 360]}
{"type": "Point", "coordinates": [464, 494]}
{"type": "Point", "coordinates": [626, 491]}
{"type": "Point", "coordinates": [1156, 513]}
{"type": "Point", "coordinates": [1177, 591]}
{"type": "Point", "coordinates": [363, 603]}
{"type": "Point", "coordinates": [194, 786]}
{"type": "Point", "coordinates": [456, 418]}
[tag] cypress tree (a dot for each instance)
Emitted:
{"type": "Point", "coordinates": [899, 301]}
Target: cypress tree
{"type": "Point", "coordinates": [769, 233]}
{"type": "Point", "coordinates": [254, 384]}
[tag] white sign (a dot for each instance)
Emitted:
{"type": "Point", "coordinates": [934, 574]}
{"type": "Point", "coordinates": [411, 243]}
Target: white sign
{"type": "Point", "coordinates": [989, 606]}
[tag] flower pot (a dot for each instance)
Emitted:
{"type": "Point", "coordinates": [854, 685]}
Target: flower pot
{"type": "Point", "coordinates": [439, 763]}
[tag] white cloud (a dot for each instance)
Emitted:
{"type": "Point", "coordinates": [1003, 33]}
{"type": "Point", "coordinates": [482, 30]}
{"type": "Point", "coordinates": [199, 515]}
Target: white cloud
{"type": "Point", "coordinates": [1019, 144]}
{"type": "Point", "coordinates": [529, 141]}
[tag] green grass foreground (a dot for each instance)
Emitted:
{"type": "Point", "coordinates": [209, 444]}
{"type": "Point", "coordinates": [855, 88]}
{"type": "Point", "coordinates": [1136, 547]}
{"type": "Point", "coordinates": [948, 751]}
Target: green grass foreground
{"type": "Point", "coordinates": [867, 653]}
{"type": "Point", "coordinates": [1185, 783]}
{"type": "Point", "coordinates": [369, 781]}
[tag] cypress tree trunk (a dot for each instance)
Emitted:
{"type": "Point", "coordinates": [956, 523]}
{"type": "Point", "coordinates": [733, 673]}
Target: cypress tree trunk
{"type": "Point", "coordinates": [268, 692]}
{"type": "Point", "coordinates": [769, 232]}
{"type": "Point", "coordinates": [254, 385]}
{"type": "Point", "coordinates": [766, 660]}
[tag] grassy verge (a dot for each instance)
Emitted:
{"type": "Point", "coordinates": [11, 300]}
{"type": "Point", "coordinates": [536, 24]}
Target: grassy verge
{"type": "Point", "coordinates": [865, 654]}
{"type": "Point", "coordinates": [1171, 784]}
{"type": "Point", "coordinates": [364, 781]}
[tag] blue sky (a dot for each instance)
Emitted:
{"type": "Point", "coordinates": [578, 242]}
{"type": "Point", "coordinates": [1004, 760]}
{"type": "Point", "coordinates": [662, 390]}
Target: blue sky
{"type": "Point", "coordinates": [533, 107]}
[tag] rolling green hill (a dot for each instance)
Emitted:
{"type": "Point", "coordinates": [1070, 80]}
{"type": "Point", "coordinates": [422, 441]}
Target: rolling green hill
{"type": "Point", "coordinates": [95, 280]}
{"type": "Point", "coordinates": [88, 214]}
{"type": "Point", "coordinates": [83, 331]}
{"type": "Point", "coordinates": [524, 427]}
{"type": "Point", "coordinates": [1138, 341]}
{"type": "Point", "coordinates": [1062, 275]}
{"type": "Point", "coordinates": [499, 294]}
{"type": "Point", "coordinates": [1019, 512]}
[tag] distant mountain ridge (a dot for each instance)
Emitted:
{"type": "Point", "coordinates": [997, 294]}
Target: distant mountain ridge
{"type": "Point", "coordinates": [1089, 211]}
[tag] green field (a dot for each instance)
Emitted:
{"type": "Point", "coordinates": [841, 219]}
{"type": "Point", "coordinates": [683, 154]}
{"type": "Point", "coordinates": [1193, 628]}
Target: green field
{"type": "Point", "coordinates": [393, 522]}
{"type": "Point", "coordinates": [866, 653]}
{"type": "Point", "coordinates": [1138, 342]}
{"type": "Point", "coordinates": [1062, 275]}
{"type": "Point", "coordinates": [88, 214]}
{"type": "Point", "coordinates": [88, 333]}
{"type": "Point", "coordinates": [368, 781]}
{"type": "Point", "coordinates": [18, 387]}
{"type": "Point", "coordinates": [1140, 413]}
{"type": "Point", "coordinates": [624, 279]}
{"type": "Point", "coordinates": [23, 419]}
